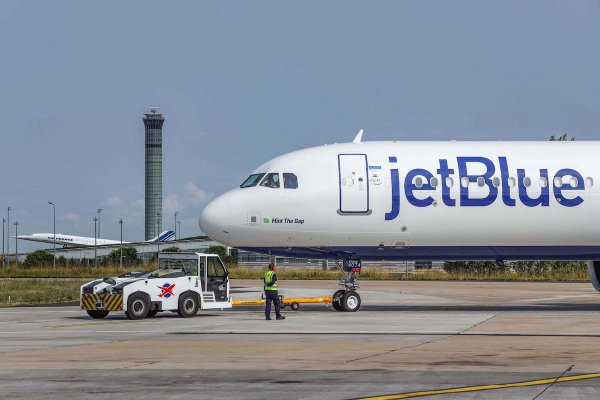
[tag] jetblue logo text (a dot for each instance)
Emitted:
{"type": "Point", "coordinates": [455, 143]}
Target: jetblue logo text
{"type": "Point", "coordinates": [418, 195]}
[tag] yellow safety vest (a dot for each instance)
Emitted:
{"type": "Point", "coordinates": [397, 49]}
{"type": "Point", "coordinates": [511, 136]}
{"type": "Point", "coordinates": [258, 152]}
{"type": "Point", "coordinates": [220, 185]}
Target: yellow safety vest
{"type": "Point", "coordinates": [268, 279]}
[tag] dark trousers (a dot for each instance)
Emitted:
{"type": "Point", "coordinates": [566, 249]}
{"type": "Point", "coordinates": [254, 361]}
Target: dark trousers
{"type": "Point", "coordinates": [272, 296]}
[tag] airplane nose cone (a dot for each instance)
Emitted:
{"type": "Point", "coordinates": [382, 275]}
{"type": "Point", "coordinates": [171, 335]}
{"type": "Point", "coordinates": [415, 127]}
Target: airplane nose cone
{"type": "Point", "coordinates": [215, 220]}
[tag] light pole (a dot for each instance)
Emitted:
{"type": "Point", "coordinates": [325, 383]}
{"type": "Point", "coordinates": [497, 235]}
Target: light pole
{"type": "Point", "coordinates": [158, 240]}
{"type": "Point", "coordinates": [54, 230]}
{"type": "Point", "coordinates": [16, 242]}
{"type": "Point", "coordinates": [99, 211]}
{"type": "Point", "coordinates": [121, 258]}
{"type": "Point", "coordinates": [3, 224]}
{"type": "Point", "coordinates": [176, 212]}
{"type": "Point", "coordinates": [179, 223]}
{"type": "Point", "coordinates": [95, 243]}
{"type": "Point", "coordinates": [8, 238]}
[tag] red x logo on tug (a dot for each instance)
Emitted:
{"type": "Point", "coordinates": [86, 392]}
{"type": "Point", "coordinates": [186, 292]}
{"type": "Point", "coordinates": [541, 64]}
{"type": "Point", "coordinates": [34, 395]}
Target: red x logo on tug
{"type": "Point", "coordinates": [167, 290]}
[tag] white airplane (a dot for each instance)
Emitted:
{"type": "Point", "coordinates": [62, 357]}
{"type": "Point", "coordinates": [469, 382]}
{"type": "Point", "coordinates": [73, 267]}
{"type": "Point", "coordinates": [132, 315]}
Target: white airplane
{"type": "Point", "coordinates": [419, 201]}
{"type": "Point", "coordinates": [72, 241]}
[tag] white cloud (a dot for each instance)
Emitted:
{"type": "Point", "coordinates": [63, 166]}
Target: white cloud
{"type": "Point", "coordinates": [171, 204]}
{"type": "Point", "coordinates": [113, 201]}
{"type": "Point", "coordinates": [198, 195]}
{"type": "Point", "coordinates": [140, 205]}
{"type": "Point", "coordinates": [70, 217]}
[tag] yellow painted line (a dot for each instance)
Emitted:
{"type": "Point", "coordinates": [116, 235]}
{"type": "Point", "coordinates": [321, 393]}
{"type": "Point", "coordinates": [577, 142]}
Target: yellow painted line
{"type": "Point", "coordinates": [483, 387]}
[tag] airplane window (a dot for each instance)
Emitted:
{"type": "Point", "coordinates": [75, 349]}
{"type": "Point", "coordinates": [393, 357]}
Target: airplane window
{"type": "Point", "coordinates": [543, 182]}
{"type": "Point", "coordinates": [252, 180]}
{"type": "Point", "coordinates": [589, 182]}
{"type": "Point", "coordinates": [496, 181]}
{"type": "Point", "coordinates": [418, 182]}
{"type": "Point", "coordinates": [290, 181]}
{"type": "Point", "coordinates": [464, 181]}
{"type": "Point", "coordinates": [512, 182]}
{"type": "Point", "coordinates": [433, 182]}
{"type": "Point", "coordinates": [557, 182]}
{"type": "Point", "coordinates": [527, 181]}
{"type": "Point", "coordinates": [271, 181]}
{"type": "Point", "coordinates": [449, 182]}
{"type": "Point", "coordinates": [480, 181]}
{"type": "Point", "coordinates": [574, 182]}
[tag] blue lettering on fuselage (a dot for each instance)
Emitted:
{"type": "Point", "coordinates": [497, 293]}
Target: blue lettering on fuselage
{"type": "Point", "coordinates": [417, 193]}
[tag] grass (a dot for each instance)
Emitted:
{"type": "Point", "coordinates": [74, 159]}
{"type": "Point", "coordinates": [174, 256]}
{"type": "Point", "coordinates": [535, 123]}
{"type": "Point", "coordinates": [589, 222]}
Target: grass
{"type": "Point", "coordinates": [24, 286]}
{"type": "Point", "coordinates": [15, 292]}
{"type": "Point", "coordinates": [82, 271]}
{"type": "Point", "coordinates": [418, 275]}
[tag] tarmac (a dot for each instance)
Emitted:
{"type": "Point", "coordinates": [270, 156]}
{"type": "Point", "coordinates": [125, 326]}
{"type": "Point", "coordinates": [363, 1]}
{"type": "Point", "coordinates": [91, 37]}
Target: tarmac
{"type": "Point", "coordinates": [438, 340]}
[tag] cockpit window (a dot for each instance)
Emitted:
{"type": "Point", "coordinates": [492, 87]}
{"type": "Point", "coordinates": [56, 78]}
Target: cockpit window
{"type": "Point", "coordinates": [271, 180]}
{"type": "Point", "coordinates": [290, 181]}
{"type": "Point", "coordinates": [252, 180]}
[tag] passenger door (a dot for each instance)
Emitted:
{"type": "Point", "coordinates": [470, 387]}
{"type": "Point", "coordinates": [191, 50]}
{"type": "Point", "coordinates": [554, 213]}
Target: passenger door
{"type": "Point", "coordinates": [354, 184]}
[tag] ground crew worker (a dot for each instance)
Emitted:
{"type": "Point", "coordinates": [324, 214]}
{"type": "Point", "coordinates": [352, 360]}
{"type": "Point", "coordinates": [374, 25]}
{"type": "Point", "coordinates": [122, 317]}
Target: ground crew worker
{"type": "Point", "coordinates": [271, 294]}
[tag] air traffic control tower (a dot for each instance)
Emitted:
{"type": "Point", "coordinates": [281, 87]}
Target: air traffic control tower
{"type": "Point", "coordinates": [153, 122]}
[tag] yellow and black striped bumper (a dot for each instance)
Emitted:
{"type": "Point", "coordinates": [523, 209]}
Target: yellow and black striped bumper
{"type": "Point", "coordinates": [102, 301]}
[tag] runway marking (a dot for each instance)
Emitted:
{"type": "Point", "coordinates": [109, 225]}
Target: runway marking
{"type": "Point", "coordinates": [97, 323]}
{"type": "Point", "coordinates": [467, 389]}
{"type": "Point", "coordinates": [386, 333]}
{"type": "Point", "coordinates": [558, 297]}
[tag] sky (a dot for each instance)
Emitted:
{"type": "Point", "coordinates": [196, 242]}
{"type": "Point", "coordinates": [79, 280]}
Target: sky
{"type": "Point", "coordinates": [242, 82]}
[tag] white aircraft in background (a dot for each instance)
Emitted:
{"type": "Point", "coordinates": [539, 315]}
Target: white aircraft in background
{"type": "Point", "coordinates": [419, 201]}
{"type": "Point", "coordinates": [73, 241]}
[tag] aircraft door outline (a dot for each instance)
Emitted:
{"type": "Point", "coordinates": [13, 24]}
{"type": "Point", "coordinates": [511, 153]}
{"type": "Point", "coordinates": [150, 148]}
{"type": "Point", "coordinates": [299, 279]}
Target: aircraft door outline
{"type": "Point", "coordinates": [353, 173]}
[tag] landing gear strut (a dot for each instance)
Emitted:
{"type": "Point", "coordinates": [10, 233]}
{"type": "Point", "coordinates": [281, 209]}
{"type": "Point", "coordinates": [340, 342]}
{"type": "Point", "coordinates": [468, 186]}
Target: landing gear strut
{"type": "Point", "coordinates": [347, 299]}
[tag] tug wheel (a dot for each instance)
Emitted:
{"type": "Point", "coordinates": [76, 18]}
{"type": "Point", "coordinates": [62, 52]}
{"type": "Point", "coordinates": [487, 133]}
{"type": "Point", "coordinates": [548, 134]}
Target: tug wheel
{"type": "Point", "coordinates": [336, 300]}
{"type": "Point", "coordinates": [295, 306]}
{"type": "Point", "coordinates": [188, 305]}
{"type": "Point", "coordinates": [137, 306]}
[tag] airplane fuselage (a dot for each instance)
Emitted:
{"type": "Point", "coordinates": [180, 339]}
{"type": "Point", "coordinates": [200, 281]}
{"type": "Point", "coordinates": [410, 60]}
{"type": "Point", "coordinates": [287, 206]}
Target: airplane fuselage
{"type": "Point", "coordinates": [419, 201]}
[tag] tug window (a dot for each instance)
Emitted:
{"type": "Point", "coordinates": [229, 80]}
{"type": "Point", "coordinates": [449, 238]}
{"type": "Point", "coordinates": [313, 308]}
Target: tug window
{"type": "Point", "coordinates": [290, 181]}
{"type": "Point", "coordinates": [271, 181]}
{"type": "Point", "coordinates": [252, 180]}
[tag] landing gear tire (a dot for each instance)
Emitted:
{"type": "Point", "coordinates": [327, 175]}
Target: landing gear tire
{"type": "Point", "coordinates": [336, 300]}
{"type": "Point", "coordinates": [351, 301]}
{"type": "Point", "coordinates": [138, 306]}
{"type": "Point", "coordinates": [97, 314]}
{"type": "Point", "coordinates": [188, 305]}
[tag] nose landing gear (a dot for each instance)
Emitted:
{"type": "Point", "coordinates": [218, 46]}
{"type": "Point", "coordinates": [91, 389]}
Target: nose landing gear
{"type": "Point", "coordinates": [347, 299]}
